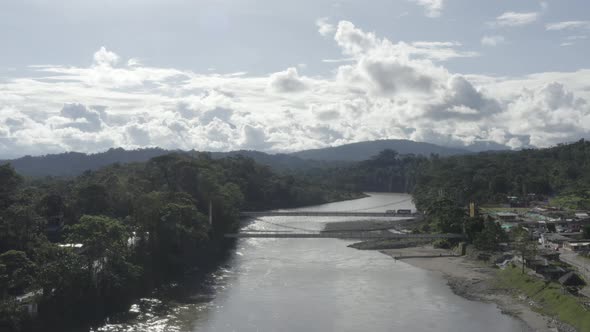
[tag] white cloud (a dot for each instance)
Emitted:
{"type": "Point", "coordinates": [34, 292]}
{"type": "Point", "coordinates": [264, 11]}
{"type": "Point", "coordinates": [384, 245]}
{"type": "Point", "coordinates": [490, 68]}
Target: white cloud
{"type": "Point", "coordinates": [325, 112]}
{"type": "Point", "coordinates": [355, 42]}
{"type": "Point", "coordinates": [385, 89]}
{"type": "Point", "coordinates": [338, 60]}
{"type": "Point", "coordinates": [287, 81]}
{"type": "Point", "coordinates": [133, 62]}
{"type": "Point", "coordinates": [103, 57]}
{"type": "Point", "coordinates": [85, 119]}
{"type": "Point", "coordinates": [492, 40]}
{"type": "Point", "coordinates": [549, 115]}
{"type": "Point", "coordinates": [138, 136]}
{"type": "Point", "coordinates": [567, 25]}
{"type": "Point", "coordinates": [433, 7]}
{"type": "Point", "coordinates": [254, 138]}
{"type": "Point", "coordinates": [324, 28]}
{"type": "Point", "coordinates": [514, 19]}
{"type": "Point", "coordinates": [576, 37]}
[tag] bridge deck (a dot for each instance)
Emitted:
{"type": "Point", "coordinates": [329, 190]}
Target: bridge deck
{"type": "Point", "coordinates": [326, 214]}
{"type": "Point", "coordinates": [344, 235]}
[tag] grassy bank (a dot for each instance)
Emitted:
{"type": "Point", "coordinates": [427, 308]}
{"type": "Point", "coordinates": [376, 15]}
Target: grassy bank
{"type": "Point", "coordinates": [549, 298]}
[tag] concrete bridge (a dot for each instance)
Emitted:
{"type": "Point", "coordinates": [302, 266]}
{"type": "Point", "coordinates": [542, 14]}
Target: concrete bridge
{"type": "Point", "coordinates": [327, 214]}
{"type": "Point", "coordinates": [343, 235]}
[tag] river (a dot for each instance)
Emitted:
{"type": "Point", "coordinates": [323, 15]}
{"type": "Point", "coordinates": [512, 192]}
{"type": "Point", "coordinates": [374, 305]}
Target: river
{"type": "Point", "coordinates": [314, 285]}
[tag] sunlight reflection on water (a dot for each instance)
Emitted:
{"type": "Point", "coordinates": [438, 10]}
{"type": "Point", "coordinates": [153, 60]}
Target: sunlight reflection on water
{"type": "Point", "coordinates": [316, 285]}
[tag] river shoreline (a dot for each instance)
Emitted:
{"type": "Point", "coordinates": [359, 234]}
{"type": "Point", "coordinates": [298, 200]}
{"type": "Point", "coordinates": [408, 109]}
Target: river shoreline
{"type": "Point", "coordinates": [473, 281]}
{"type": "Point", "coordinates": [466, 277]}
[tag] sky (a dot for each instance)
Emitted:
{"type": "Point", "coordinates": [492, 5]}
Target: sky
{"type": "Point", "coordinates": [283, 76]}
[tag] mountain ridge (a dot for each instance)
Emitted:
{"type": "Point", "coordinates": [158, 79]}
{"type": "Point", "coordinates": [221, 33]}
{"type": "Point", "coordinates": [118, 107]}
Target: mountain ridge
{"type": "Point", "coordinates": [75, 163]}
{"type": "Point", "coordinates": [365, 150]}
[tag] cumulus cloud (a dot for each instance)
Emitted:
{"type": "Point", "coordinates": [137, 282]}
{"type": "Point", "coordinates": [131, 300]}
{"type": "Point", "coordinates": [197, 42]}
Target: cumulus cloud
{"type": "Point", "coordinates": [324, 28]}
{"type": "Point", "coordinates": [390, 76]}
{"type": "Point", "coordinates": [287, 81]}
{"type": "Point", "coordinates": [220, 113]}
{"type": "Point", "coordinates": [385, 89]}
{"type": "Point", "coordinates": [325, 112]}
{"type": "Point", "coordinates": [254, 138]}
{"type": "Point", "coordinates": [138, 136]}
{"type": "Point", "coordinates": [356, 42]}
{"type": "Point", "coordinates": [463, 102]}
{"type": "Point", "coordinates": [105, 58]}
{"type": "Point", "coordinates": [515, 19]}
{"type": "Point", "coordinates": [492, 40]}
{"type": "Point", "coordinates": [549, 115]}
{"type": "Point", "coordinates": [84, 118]}
{"type": "Point", "coordinates": [433, 7]}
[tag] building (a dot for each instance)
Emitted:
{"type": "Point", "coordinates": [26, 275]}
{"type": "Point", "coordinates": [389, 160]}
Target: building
{"type": "Point", "coordinates": [506, 216]}
{"type": "Point", "coordinates": [577, 245]}
{"type": "Point", "coordinates": [553, 240]}
{"type": "Point", "coordinates": [29, 302]}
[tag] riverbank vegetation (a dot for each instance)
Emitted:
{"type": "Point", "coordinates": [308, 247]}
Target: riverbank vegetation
{"type": "Point", "coordinates": [83, 247]}
{"type": "Point", "coordinates": [548, 298]}
{"type": "Point", "coordinates": [561, 172]}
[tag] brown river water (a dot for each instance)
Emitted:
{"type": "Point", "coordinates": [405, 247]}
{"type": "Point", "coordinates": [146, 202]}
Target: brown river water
{"type": "Point", "coordinates": [314, 285]}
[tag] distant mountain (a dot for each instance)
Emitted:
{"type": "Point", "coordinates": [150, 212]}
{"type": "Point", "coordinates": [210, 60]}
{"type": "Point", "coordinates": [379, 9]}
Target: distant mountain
{"type": "Point", "coordinates": [365, 150]}
{"type": "Point", "coordinates": [487, 146]}
{"type": "Point", "coordinates": [75, 163]}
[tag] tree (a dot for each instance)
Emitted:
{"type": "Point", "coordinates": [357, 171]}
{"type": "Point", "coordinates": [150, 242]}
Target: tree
{"type": "Point", "coordinates": [523, 244]}
{"type": "Point", "coordinates": [446, 216]}
{"type": "Point", "coordinates": [19, 225]}
{"type": "Point", "coordinates": [92, 199]}
{"type": "Point", "coordinates": [490, 236]}
{"type": "Point", "coordinates": [182, 230]}
{"type": "Point", "coordinates": [18, 272]}
{"type": "Point", "coordinates": [105, 246]}
{"type": "Point", "coordinates": [9, 182]}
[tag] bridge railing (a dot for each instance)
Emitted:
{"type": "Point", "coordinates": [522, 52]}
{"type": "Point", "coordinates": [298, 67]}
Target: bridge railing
{"type": "Point", "coordinates": [344, 235]}
{"type": "Point", "coordinates": [324, 214]}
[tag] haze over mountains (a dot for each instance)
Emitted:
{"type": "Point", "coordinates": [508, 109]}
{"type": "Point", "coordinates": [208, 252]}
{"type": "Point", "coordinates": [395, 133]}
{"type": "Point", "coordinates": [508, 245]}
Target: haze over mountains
{"type": "Point", "coordinates": [74, 163]}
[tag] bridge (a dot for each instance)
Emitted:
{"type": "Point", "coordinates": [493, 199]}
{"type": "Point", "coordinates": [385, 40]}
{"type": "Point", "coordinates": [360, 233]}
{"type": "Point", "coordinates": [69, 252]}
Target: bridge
{"type": "Point", "coordinates": [326, 214]}
{"type": "Point", "coordinates": [343, 235]}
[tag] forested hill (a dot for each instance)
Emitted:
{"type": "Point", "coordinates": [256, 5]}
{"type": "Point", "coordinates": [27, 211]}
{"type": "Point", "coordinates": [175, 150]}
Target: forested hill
{"type": "Point", "coordinates": [484, 177]}
{"type": "Point", "coordinates": [365, 150]}
{"type": "Point", "coordinates": [562, 171]}
{"type": "Point", "coordinates": [75, 163]}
